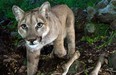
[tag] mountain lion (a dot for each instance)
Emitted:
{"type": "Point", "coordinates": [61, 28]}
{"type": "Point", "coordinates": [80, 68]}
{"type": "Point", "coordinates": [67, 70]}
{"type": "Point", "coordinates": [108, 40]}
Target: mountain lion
{"type": "Point", "coordinates": [44, 25]}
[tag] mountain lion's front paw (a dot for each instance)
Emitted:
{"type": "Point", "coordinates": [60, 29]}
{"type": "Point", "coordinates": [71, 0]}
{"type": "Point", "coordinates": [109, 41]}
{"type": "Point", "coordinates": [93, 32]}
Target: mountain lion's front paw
{"type": "Point", "coordinates": [60, 53]}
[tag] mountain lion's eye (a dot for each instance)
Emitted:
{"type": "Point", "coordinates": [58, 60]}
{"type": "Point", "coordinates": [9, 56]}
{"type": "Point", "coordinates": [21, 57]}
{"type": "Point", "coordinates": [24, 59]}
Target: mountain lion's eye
{"type": "Point", "coordinates": [24, 26]}
{"type": "Point", "coordinates": [39, 25]}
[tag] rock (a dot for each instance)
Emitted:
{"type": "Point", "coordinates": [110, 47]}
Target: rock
{"type": "Point", "coordinates": [105, 12]}
{"type": "Point", "coordinates": [106, 18]}
{"type": "Point", "coordinates": [90, 27]}
{"type": "Point", "coordinates": [101, 4]}
{"type": "Point", "coordinates": [108, 13]}
{"type": "Point", "coordinates": [109, 9]}
{"type": "Point", "coordinates": [91, 12]}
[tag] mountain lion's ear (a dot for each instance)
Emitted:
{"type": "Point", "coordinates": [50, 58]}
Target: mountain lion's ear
{"type": "Point", "coordinates": [44, 8]}
{"type": "Point", "coordinates": [18, 12]}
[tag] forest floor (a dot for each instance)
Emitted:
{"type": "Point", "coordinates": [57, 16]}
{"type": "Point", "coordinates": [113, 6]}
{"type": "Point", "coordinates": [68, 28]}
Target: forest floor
{"type": "Point", "coordinates": [13, 56]}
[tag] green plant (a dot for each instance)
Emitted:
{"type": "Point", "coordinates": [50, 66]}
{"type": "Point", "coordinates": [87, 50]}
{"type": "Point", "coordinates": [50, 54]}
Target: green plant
{"type": "Point", "coordinates": [109, 40]}
{"type": "Point", "coordinates": [102, 34]}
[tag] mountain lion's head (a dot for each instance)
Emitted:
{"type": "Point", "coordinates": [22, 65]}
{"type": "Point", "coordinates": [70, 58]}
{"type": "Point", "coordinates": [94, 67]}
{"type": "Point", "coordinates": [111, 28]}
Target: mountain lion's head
{"type": "Point", "coordinates": [33, 25]}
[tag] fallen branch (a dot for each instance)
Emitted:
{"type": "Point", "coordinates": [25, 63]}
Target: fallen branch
{"type": "Point", "coordinates": [70, 62]}
{"type": "Point", "coordinates": [98, 66]}
{"type": "Point", "coordinates": [111, 70]}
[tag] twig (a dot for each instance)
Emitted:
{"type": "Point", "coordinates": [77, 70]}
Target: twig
{"type": "Point", "coordinates": [111, 70]}
{"type": "Point", "coordinates": [84, 70]}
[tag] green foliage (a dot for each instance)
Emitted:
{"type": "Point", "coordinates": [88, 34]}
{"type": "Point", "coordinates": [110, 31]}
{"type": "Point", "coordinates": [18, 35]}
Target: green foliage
{"type": "Point", "coordinates": [109, 40]}
{"type": "Point", "coordinates": [70, 3]}
{"type": "Point", "coordinates": [102, 34]}
{"type": "Point", "coordinates": [75, 3]}
{"type": "Point", "coordinates": [6, 5]}
{"type": "Point", "coordinates": [90, 40]}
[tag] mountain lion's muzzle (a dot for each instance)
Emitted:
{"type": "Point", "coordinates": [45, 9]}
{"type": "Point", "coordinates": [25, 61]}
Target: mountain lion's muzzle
{"type": "Point", "coordinates": [32, 40]}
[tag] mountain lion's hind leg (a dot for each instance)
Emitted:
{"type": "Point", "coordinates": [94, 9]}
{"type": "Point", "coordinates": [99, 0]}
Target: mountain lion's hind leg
{"type": "Point", "coordinates": [70, 38]}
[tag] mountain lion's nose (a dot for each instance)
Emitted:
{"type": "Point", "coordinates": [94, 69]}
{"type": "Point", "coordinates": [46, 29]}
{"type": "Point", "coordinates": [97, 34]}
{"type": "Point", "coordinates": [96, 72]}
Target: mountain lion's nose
{"type": "Point", "coordinates": [34, 40]}
{"type": "Point", "coordinates": [31, 41]}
